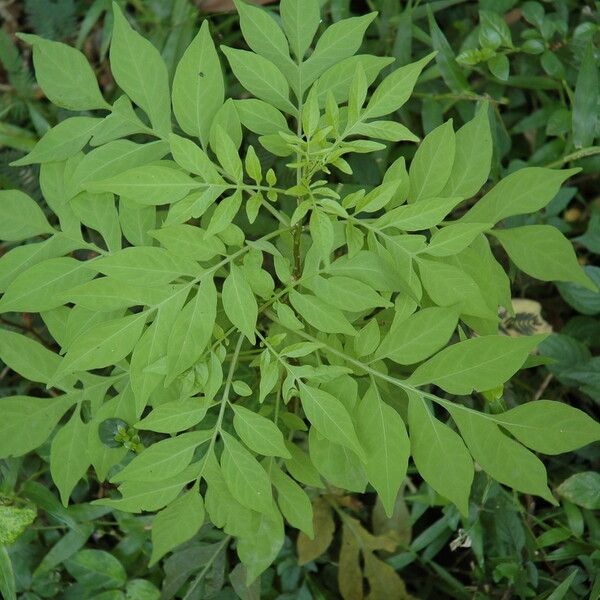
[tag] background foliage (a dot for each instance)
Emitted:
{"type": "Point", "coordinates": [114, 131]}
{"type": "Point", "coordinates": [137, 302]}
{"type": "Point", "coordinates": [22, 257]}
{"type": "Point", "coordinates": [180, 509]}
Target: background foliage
{"type": "Point", "coordinates": [536, 63]}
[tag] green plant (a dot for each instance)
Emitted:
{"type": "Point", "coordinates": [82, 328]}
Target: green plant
{"type": "Point", "coordinates": [320, 319]}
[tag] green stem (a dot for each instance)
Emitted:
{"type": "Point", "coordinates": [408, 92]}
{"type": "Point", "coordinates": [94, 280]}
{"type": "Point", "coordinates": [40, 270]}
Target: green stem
{"type": "Point", "coordinates": [583, 153]}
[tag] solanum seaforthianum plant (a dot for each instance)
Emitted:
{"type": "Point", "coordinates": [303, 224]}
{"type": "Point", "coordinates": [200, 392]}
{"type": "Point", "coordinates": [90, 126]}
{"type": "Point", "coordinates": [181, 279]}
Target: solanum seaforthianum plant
{"type": "Point", "coordinates": [231, 346]}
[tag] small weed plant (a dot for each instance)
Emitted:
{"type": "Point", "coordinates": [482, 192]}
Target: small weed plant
{"type": "Point", "coordinates": [240, 326]}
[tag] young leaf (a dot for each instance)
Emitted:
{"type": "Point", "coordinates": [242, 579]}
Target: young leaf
{"type": "Point", "coordinates": [440, 455]}
{"type": "Point", "coordinates": [480, 363]}
{"type": "Point", "coordinates": [382, 434]}
{"type": "Point", "coordinates": [198, 87]}
{"type": "Point", "coordinates": [543, 252]}
{"type": "Point", "coordinates": [176, 524]}
{"type": "Point", "coordinates": [259, 433]}
{"type": "Point", "coordinates": [329, 417]}
{"type": "Point", "coordinates": [141, 73]}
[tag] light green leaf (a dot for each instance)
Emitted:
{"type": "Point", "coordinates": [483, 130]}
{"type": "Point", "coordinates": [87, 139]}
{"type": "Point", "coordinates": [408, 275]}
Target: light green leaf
{"type": "Point", "coordinates": [140, 71]}
{"type": "Point", "coordinates": [260, 77]}
{"type": "Point", "coordinates": [163, 459]}
{"type": "Point", "coordinates": [338, 78]}
{"type": "Point", "coordinates": [293, 502]}
{"type": "Point", "coordinates": [150, 185]}
{"type": "Point", "coordinates": [432, 164]}
{"type": "Point", "coordinates": [21, 217]}
{"type": "Point", "coordinates": [65, 75]}
{"type": "Point", "coordinates": [448, 285]}
{"type": "Point", "coordinates": [301, 20]}
{"type": "Point", "coordinates": [472, 158]}
{"type": "Point", "coordinates": [543, 252]}
{"type": "Point", "coordinates": [246, 479]}
{"type": "Point", "coordinates": [330, 417]}
{"type": "Point", "coordinates": [382, 434]}
{"type": "Point", "coordinates": [27, 422]}
{"type": "Point", "coordinates": [264, 36]}
{"type": "Point", "coordinates": [320, 314]}
{"type": "Point", "coordinates": [440, 455]}
{"type": "Point", "coordinates": [121, 122]}
{"type": "Point", "coordinates": [69, 458]}
{"type": "Point", "coordinates": [582, 489]}
{"type": "Point", "coordinates": [189, 241]}
{"type": "Point", "coordinates": [190, 157]}
{"type": "Point", "coordinates": [175, 416]}
{"type": "Point", "coordinates": [347, 294]}
{"type": "Point", "coordinates": [224, 214]}
{"type": "Point", "coordinates": [417, 217]}
{"type": "Point", "coordinates": [115, 158]}
{"type": "Point", "coordinates": [550, 427]}
{"type": "Point", "coordinates": [198, 88]}
{"type": "Point", "coordinates": [176, 524]}
{"type": "Point", "coordinates": [41, 287]}
{"type": "Point", "coordinates": [524, 191]}
{"type": "Point", "coordinates": [585, 101]}
{"type": "Point", "coordinates": [260, 117]}
{"type": "Point", "coordinates": [395, 89]}
{"type": "Point", "coordinates": [192, 330]}
{"type": "Point", "coordinates": [480, 363]}
{"type": "Point", "coordinates": [228, 156]}
{"type": "Point", "coordinates": [454, 238]}
{"type": "Point", "coordinates": [62, 141]}
{"type": "Point", "coordinates": [105, 294]}
{"type": "Point", "coordinates": [98, 211]}
{"type": "Point", "coordinates": [27, 357]}
{"type": "Point", "coordinates": [339, 41]}
{"type": "Point", "coordinates": [143, 266]}
{"type": "Point", "coordinates": [501, 457]}
{"type": "Point", "coordinates": [259, 433]}
{"type": "Point", "coordinates": [321, 232]}
{"type": "Point", "coordinates": [419, 336]}
{"type": "Point", "coordinates": [102, 345]}
{"type": "Point", "coordinates": [239, 302]}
